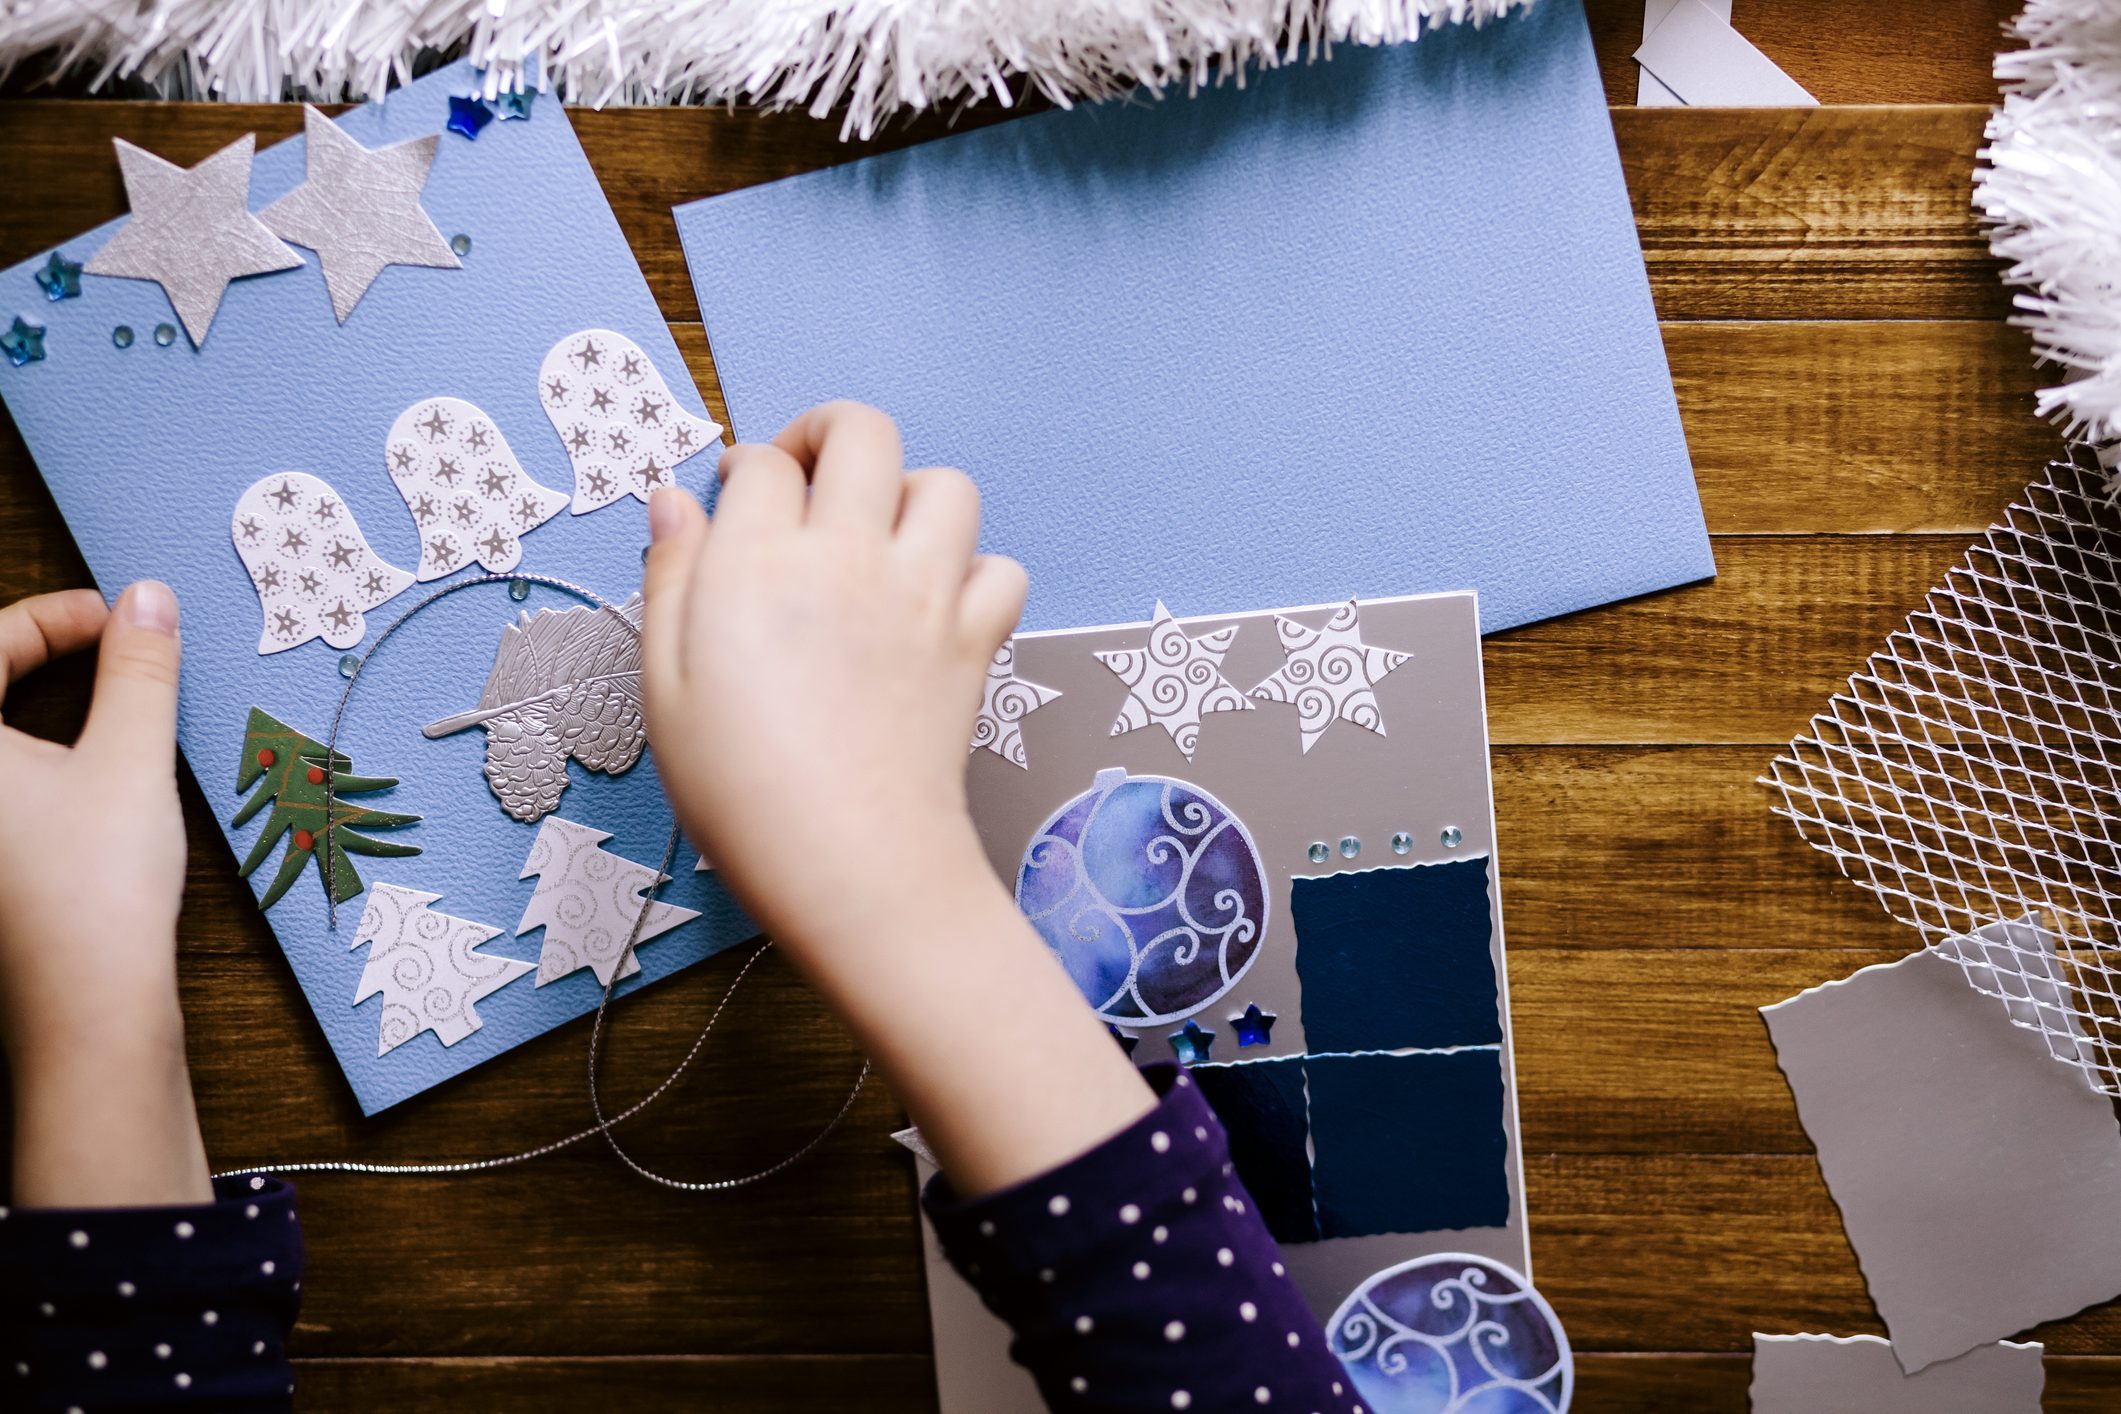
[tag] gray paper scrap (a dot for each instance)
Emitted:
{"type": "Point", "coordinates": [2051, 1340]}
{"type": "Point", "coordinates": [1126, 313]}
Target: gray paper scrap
{"type": "Point", "coordinates": [1833, 1374]}
{"type": "Point", "coordinates": [1977, 1176]}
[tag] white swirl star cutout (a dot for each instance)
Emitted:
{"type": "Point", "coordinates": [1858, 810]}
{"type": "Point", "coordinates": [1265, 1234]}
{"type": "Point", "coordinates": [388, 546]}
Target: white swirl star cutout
{"type": "Point", "coordinates": [1174, 681]}
{"type": "Point", "coordinates": [1007, 701]}
{"type": "Point", "coordinates": [1330, 674]}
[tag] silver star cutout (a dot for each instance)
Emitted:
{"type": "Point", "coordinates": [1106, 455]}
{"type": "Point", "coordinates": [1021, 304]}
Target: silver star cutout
{"type": "Point", "coordinates": [359, 209]}
{"type": "Point", "coordinates": [1330, 674]}
{"type": "Point", "coordinates": [191, 231]}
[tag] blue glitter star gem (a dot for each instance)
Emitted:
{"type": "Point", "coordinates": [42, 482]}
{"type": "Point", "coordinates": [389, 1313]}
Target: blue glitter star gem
{"type": "Point", "coordinates": [1126, 1043]}
{"type": "Point", "coordinates": [60, 278]}
{"type": "Point", "coordinates": [1191, 1044]}
{"type": "Point", "coordinates": [512, 106]}
{"type": "Point", "coordinates": [467, 116]}
{"type": "Point", "coordinates": [23, 343]}
{"type": "Point", "coordinates": [1255, 1027]}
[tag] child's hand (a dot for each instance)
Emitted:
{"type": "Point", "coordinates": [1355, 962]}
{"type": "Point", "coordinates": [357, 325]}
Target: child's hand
{"type": "Point", "coordinates": [813, 661]}
{"type": "Point", "coordinates": [814, 664]}
{"type": "Point", "coordinates": [91, 875]}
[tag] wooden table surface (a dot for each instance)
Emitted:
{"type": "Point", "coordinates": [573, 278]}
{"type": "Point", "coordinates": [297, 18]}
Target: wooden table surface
{"type": "Point", "coordinates": [1857, 410]}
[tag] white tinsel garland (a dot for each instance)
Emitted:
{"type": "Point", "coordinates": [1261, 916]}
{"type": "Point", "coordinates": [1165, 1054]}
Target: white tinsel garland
{"type": "Point", "coordinates": [875, 57]}
{"type": "Point", "coordinates": [2050, 187]}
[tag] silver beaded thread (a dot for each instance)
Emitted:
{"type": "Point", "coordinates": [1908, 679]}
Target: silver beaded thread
{"type": "Point", "coordinates": [604, 1124]}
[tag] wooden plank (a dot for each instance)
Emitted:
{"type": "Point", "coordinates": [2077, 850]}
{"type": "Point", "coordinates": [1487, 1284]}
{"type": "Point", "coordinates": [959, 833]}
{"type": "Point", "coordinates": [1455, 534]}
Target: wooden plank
{"type": "Point", "coordinates": [1646, 1382]}
{"type": "Point", "coordinates": [1746, 657]}
{"type": "Point", "coordinates": [1854, 51]}
{"type": "Point", "coordinates": [727, 1384]}
{"type": "Point", "coordinates": [1744, 213]}
{"type": "Point", "coordinates": [1809, 213]}
{"type": "Point", "coordinates": [576, 1257]}
{"type": "Point", "coordinates": [1660, 1382]}
{"type": "Point", "coordinates": [1860, 426]}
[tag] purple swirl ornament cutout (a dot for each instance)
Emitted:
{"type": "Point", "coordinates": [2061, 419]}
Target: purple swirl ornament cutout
{"type": "Point", "coordinates": [1151, 892]}
{"type": "Point", "coordinates": [1453, 1334]}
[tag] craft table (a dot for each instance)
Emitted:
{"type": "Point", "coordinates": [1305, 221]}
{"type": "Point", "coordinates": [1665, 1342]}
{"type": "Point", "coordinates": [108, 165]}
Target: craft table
{"type": "Point", "coordinates": [1857, 411]}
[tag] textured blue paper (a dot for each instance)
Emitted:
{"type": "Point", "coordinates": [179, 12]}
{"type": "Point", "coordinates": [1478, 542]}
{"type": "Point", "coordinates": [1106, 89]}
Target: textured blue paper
{"type": "Point", "coordinates": [1370, 327]}
{"type": "Point", "coordinates": [146, 450]}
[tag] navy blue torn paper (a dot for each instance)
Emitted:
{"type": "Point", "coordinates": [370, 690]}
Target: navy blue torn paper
{"type": "Point", "coordinates": [1397, 958]}
{"type": "Point", "coordinates": [1261, 1104]}
{"type": "Point", "coordinates": [1411, 1143]}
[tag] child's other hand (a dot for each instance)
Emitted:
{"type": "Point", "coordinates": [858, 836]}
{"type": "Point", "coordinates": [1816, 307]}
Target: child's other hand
{"type": "Point", "coordinates": [814, 661]}
{"type": "Point", "coordinates": [91, 875]}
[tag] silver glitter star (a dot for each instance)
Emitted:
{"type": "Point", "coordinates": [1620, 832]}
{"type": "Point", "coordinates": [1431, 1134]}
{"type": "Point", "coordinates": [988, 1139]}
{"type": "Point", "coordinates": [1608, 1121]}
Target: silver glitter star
{"type": "Point", "coordinates": [359, 209]}
{"type": "Point", "coordinates": [190, 232]}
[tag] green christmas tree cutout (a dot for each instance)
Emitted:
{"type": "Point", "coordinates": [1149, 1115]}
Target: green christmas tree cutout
{"type": "Point", "coordinates": [292, 771]}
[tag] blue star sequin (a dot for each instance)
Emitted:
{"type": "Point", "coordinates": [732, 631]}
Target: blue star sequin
{"type": "Point", "coordinates": [23, 343]}
{"type": "Point", "coordinates": [512, 106]}
{"type": "Point", "coordinates": [467, 116]}
{"type": "Point", "coordinates": [60, 278]}
{"type": "Point", "coordinates": [1126, 1043]}
{"type": "Point", "coordinates": [1255, 1027]}
{"type": "Point", "coordinates": [1191, 1044]}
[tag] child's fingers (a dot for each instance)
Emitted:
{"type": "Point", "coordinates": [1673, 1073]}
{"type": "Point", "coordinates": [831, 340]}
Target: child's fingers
{"type": "Point", "coordinates": [852, 453]}
{"type": "Point", "coordinates": [938, 522]}
{"type": "Point", "coordinates": [35, 630]}
{"type": "Point", "coordinates": [992, 602]}
{"type": "Point", "coordinates": [133, 714]}
{"type": "Point", "coordinates": [677, 528]}
{"type": "Point", "coordinates": [762, 489]}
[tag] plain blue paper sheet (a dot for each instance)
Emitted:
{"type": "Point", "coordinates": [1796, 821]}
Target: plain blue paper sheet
{"type": "Point", "coordinates": [146, 450]}
{"type": "Point", "coordinates": [1366, 327]}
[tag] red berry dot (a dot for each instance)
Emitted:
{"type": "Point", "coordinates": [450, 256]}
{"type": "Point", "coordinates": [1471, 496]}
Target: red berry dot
{"type": "Point", "coordinates": [266, 756]}
{"type": "Point", "coordinates": [316, 775]}
{"type": "Point", "coordinates": [304, 839]}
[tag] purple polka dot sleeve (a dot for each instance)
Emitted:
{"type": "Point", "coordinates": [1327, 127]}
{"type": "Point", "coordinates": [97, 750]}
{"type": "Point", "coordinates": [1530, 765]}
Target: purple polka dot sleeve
{"type": "Point", "coordinates": [141, 1308]}
{"type": "Point", "coordinates": [1139, 1276]}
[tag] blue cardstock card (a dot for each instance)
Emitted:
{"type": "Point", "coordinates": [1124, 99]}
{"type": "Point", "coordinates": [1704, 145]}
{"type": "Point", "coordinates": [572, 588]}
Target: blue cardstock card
{"type": "Point", "coordinates": [147, 448]}
{"type": "Point", "coordinates": [1373, 326]}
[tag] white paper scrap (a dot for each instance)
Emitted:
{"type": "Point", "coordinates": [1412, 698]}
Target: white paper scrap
{"type": "Point", "coordinates": [1696, 54]}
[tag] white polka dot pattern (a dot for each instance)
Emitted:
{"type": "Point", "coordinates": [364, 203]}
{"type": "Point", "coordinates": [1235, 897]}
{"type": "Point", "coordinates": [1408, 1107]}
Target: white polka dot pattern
{"type": "Point", "coordinates": [1128, 1292]}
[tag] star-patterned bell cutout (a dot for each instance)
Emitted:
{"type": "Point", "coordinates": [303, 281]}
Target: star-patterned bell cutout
{"type": "Point", "coordinates": [23, 342]}
{"type": "Point", "coordinates": [60, 278]}
{"type": "Point", "coordinates": [191, 231]}
{"type": "Point", "coordinates": [469, 496]}
{"type": "Point", "coordinates": [625, 433]}
{"type": "Point", "coordinates": [1255, 1027]}
{"type": "Point", "coordinates": [467, 116]}
{"type": "Point", "coordinates": [1190, 1044]}
{"type": "Point", "coordinates": [1174, 681]}
{"type": "Point", "coordinates": [315, 574]}
{"type": "Point", "coordinates": [1007, 701]}
{"type": "Point", "coordinates": [359, 209]}
{"type": "Point", "coordinates": [1330, 674]}
{"type": "Point", "coordinates": [515, 105]}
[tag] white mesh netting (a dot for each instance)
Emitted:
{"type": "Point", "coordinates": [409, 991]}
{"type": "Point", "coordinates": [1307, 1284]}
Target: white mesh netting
{"type": "Point", "coordinates": [1970, 774]}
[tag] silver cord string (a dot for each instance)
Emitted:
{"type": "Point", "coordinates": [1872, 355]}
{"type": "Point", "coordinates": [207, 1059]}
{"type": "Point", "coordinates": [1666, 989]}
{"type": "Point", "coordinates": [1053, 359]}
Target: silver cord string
{"type": "Point", "coordinates": [604, 1125]}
